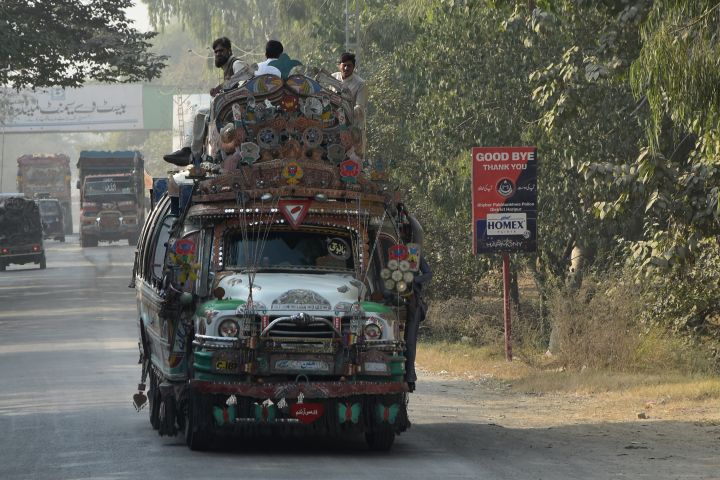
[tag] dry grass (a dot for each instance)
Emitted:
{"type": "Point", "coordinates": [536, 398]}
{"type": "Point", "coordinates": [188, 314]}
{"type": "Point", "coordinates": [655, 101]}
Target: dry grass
{"type": "Point", "coordinates": [694, 389]}
{"type": "Point", "coordinates": [602, 350]}
{"type": "Point", "coordinates": [607, 365]}
{"type": "Point", "coordinates": [471, 362]}
{"type": "Point", "coordinates": [595, 326]}
{"type": "Point", "coordinates": [673, 385]}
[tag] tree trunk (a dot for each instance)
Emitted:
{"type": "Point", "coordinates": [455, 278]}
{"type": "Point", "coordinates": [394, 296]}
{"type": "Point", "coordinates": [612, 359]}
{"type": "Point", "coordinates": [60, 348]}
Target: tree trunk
{"type": "Point", "coordinates": [577, 262]}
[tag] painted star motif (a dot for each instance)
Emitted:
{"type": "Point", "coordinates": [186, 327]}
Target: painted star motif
{"type": "Point", "coordinates": [285, 64]}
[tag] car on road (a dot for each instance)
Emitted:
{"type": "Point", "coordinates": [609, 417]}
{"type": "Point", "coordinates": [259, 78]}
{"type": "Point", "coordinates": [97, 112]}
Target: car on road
{"type": "Point", "coordinates": [21, 233]}
{"type": "Point", "coordinates": [51, 214]}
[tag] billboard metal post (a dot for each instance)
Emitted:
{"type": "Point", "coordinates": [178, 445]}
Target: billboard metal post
{"type": "Point", "coordinates": [506, 306]}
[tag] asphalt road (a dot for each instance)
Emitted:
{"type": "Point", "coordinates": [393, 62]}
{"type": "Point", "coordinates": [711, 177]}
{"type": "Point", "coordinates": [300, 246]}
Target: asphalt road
{"type": "Point", "coordinates": [68, 370]}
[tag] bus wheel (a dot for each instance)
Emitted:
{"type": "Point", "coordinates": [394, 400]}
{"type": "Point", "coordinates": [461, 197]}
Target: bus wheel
{"type": "Point", "coordinates": [381, 439]}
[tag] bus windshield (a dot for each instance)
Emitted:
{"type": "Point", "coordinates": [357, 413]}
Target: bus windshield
{"type": "Point", "coordinates": [284, 249]}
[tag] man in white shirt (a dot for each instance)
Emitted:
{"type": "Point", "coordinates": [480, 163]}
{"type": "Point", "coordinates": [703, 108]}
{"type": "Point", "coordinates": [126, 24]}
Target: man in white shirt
{"type": "Point", "coordinates": [354, 83]}
{"type": "Point", "coordinates": [273, 50]}
{"type": "Point", "coordinates": [357, 90]}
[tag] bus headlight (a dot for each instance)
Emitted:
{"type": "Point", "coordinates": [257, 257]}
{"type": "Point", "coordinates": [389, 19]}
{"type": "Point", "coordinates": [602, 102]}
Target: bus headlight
{"type": "Point", "coordinates": [373, 331]}
{"type": "Point", "coordinates": [228, 328]}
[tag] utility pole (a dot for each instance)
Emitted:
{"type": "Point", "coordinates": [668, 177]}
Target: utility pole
{"type": "Point", "coordinates": [2, 159]}
{"type": "Point", "coordinates": [352, 29]}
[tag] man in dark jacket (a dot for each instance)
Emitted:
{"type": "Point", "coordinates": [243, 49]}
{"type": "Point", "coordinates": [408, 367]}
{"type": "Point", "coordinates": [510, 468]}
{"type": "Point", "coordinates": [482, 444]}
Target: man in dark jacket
{"type": "Point", "coordinates": [224, 58]}
{"type": "Point", "coordinates": [416, 312]}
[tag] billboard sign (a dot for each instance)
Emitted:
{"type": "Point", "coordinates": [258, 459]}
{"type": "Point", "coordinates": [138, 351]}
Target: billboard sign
{"type": "Point", "coordinates": [185, 107]}
{"type": "Point", "coordinates": [504, 199]}
{"type": "Point", "coordinates": [89, 108]}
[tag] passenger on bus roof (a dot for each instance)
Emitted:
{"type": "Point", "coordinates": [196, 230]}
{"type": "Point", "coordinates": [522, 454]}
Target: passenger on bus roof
{"type": "Point", "coordinates": [273, 50]}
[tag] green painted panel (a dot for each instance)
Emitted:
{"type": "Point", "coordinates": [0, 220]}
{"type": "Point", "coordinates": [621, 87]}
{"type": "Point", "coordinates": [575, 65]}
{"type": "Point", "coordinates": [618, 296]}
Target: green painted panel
{"type": "Point", "coordinates": [397, 365]}
{"type": "Point", "coordinates": [220, 305]}
{"type": "Point", "coordinates": [157, 107]}
{"type": "Point", "coordinates": [375, 307]}
{"type": "Point", "coordinates": [203, 361]}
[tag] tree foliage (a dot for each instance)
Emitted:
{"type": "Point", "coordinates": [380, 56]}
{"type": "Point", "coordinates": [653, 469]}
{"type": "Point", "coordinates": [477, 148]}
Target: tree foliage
{"type": "Point", "coordinates": [620, 97]}
{"type": "Point", "coordinates": [678, 73]}
{"type": "Point", "coordinates": [67, 42]}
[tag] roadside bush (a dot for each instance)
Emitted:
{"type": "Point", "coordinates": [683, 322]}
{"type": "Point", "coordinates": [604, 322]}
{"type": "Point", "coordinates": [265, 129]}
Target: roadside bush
{"type": "Point", "coordinates": [603, 325]}
{"type": "Point", "coordinates": [480, 322]}
{"type": "Point", "coordinates": [685, 301]}
{"type": "Point", "coordinates": [606, 324]}
{"type": "Point", "coordinates": [596, 326]}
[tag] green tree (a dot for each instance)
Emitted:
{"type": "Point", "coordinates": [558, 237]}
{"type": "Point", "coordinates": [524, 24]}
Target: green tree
{"type": "Point", "coordinates": [676, 175]}
{"type": "Point", "coordinates": [678, 74]}
{"type": "Point", "coordinates": [66, 43]}
{"type": "Point", "coordinates": [588, 130]}
{"type": "Point", "coordinates": [461, 80]}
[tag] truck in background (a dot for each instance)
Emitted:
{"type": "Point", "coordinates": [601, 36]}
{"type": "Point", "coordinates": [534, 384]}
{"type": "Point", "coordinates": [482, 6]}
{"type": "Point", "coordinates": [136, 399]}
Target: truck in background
{"type": "Point", "coordinates": [21, 233]}
{"type": "Point", "coordinates": [47, 176]}
{"type": "Point", "coordinates": [112, 203]}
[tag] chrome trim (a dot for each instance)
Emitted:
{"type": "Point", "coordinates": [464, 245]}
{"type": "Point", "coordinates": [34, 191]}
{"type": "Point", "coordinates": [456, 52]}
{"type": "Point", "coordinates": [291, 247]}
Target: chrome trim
{"type": "Point", "coordinates": [301, 318]}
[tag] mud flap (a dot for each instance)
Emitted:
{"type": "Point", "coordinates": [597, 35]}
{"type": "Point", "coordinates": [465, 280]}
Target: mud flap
{"type": "Point", "coordinates": [168, 411]}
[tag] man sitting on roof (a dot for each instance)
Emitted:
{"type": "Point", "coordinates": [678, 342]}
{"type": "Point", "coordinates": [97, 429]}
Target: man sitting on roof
{"type": "Point", "coordinates": [273, 50]}
{"type": "Point", "coordinates": [224, 59]}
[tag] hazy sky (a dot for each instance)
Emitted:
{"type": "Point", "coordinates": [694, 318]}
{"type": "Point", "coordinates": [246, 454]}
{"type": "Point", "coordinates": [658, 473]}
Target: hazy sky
{"type": "Point", "coordinates": [139, 14]}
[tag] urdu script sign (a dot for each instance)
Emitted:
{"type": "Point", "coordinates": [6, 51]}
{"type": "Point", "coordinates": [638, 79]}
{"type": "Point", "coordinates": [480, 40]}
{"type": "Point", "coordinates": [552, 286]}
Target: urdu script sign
{"type": "Point", "coordinates": [504, 199]}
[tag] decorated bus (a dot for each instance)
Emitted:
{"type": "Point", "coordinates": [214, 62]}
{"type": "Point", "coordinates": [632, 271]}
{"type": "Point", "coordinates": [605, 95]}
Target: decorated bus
{"type": "Point", "coordinates": [273, 274]}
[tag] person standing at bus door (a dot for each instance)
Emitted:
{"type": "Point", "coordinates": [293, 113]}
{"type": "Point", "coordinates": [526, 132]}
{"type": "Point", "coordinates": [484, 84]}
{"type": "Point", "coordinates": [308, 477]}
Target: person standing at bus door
{"type": "Point", "coordinates": [416, 313]}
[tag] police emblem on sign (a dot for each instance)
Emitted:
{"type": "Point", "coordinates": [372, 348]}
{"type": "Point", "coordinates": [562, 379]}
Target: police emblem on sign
{"type": "Point", "coordinates": [505, 187]}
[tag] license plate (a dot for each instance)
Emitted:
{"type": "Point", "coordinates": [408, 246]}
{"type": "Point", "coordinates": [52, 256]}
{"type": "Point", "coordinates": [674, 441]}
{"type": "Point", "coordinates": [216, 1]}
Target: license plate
{"type": "Point", "coordinates": [375, 367]}
{"type": "Point", "coordinates": [302, 365]}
